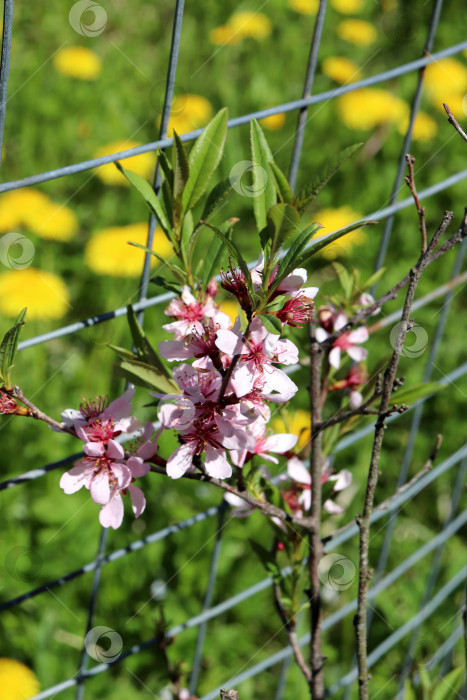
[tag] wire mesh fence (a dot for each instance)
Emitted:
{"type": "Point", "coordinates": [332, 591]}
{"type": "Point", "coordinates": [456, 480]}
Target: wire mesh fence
{"type": "Point", "coordinates": [456, 517]}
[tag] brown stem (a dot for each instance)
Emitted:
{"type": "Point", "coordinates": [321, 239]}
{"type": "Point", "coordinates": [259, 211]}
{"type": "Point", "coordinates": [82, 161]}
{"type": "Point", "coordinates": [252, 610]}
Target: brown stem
{"type": "Point", "coordinates": [410, 180]}
{"type": "Point", "coordinates": [315, 545]}
{"type": "Point", "coordinates": [37, 413]}
{"type": "Point", "coordinates": [363, 520]}
{"type": "Point", "coordinates": [289, 625]}
{"type": "Point", "coordinates": [362, 410]}
{"type": "Point", "coordinates": [452, 120]}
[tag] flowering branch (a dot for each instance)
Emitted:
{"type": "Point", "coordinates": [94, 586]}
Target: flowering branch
{"type": "Point", "coordinates": [36, 413]}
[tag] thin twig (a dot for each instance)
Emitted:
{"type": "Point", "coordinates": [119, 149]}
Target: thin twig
{"type": "Point", "coordinates": [410, 180]}
{"type": "Point", "coordinates": [37, 413]}
{"type": "Point", "coordinates": [452, 120]}
{"type": "Point", "coordinates": [290, 625]}
{"type": "Point", "coordinates": [364, 520]}
{"type": "Point", "coordinates": [362, 410]}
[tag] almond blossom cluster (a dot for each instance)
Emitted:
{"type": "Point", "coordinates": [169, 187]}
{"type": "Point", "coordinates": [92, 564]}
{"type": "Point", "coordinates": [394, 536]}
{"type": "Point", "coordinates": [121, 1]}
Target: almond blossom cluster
{"type": "Point", "coordinates": [106, 469]}
{"type": "Point", "coordinates": [222, 411]}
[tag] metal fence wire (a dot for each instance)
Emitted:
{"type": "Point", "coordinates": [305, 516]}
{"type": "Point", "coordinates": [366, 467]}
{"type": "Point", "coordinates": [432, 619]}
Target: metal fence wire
{"type": "Point", "coordinates": [454, 521]}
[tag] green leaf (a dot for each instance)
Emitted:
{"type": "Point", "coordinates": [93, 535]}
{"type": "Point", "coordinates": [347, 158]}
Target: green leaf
{"type": "Point", "coordinates": [148, 194]}
{"type": "Point", "coordinates": [309, 193]}
{"type": "Point", "coordinates": [165, 284]}
{"type": "Point", "coordinates": [345, 279]}
{"type": "Point", "coordinates": [234, 251]}
{"type": "Point", "coordinates": [282, 185]}
{"type": "Point", "coordinates": [216, 196]}
{"type": "Point", "coordinates": [282, 222]}
{"type": "Point", "coordinates": [204, 159]}
{"type": "Point", "coordinates": [123, 353]}
{"type": "Point", "coordinates": [143, 347]}
{"type": "Point", "coordinates": [142, 374]}
{"type": "Point", "coordinates": [409, 693]}
{"type": "Point", "coordinates": [187, 233]}
{"type": "Point", "coordinates": [374, 278]}
{"type": "Point", "coordinates": [263, 189]}
{"type": "Point", "coordinates": [449, 686]}
{"type": "Point", "coordinates": [416, 392]}
{"type": "Point", "coordinates": [8, 349]}
{"type": "Point", "coordinates": [321, 243]}
{"type": "Point", "coordinates": [173, 267]}
{"type": "Point", "coordinates": [271, 323]}
{"type": "Point", "coordinates": [288, 262]}
{"type": "Point", "coordinates": [166, 168]}
{"type": "Point", "coordinates": [214, 258]}
{"type": "Point", "coordinates": [181, 169]}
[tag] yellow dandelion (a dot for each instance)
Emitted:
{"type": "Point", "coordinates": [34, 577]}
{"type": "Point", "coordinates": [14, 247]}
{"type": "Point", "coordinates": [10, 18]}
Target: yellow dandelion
{"type": "Point", "coordinates": [108, 252]}
{"type": "Point", "coordinates": [424, 128]}
{"type": "Point", "coordinates": [333, 220]}
{"type": "Point", "coordinates": [224, 35]}
{"type": "Point", "coordinates": [45, 294]}
{"type": "Point", "coordinates": [188, 112]}
{"type": "Point", "coordinates": [142, 164]}
{"type": "Point", "coordinates": [366, 108]}
{"type": "Point", "coordinates": [297, 423]}
{"type": "Point", "coordinates": [457, 103]}
{"type": "Point", "coordinates": [445, 77]}
{"type": "Point", "coordinates": [232, 309]}
{"type": "Point", "coordinates": [274, 122]}
{"type": "Point", "coordinates": [14, 205]}
{"type": "Point", "coordinates": [17, 681]}
{"type": "Point", "coordinates": [250, 24]}
{"type": "Point", "coordinates": [348, 7]}
{"type": "Point", "coordinates": [357, 31]}
{"type": "Point", "coordinates": [51, 220]}
{"type": "Point", "coordinates": [341, 69]}
{"type": "Point", "coordinates": [77, 62]}
{"type": "Point", "coordinates": [305, 7]}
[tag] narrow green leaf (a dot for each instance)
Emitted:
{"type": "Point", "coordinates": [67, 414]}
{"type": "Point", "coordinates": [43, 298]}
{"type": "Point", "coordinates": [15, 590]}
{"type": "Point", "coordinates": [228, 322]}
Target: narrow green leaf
{"type": "Point", "coordinates": [204, 159]}
{"type": "Point", "coordinates": [282, 222]}
{"type": "Point", "coordinates": [173, 267]}
{"type": "Point", "coordinates": [123, 353]}
{"type": "Point", "coordinates": [8, 349]}
{"type": "Point", "coordinates": [282, 184]}
{"type": "Point", "coordinates": [263, 189]}
{"type": "Point", "coordinates": [181, 169]}
{"type": "Point", "coordinates": [216, 196]}
{"type": "Point", "coordinates": [345, 279]}
{"type": "Point", "coordinates": [148, 194]}
{"type": "Point", "coordinates": [449, 686]}
{"type": "Point", "coordinates": [187, 233]}
{"type": "Point", "coordinates": [374, 278]}
{"type": "Point", "coordinates": [142, 374]}
{"type": "Point", "coordinates": [309, 193]}
{"type": "Point", "coordinates": [166, 168]}
{"type": "Point", "coordinates": [214, 259]}
{"type": "Point", "coordinates": [143, 347]}
{"type": "Point", "coordinates": [416, 392]}
{"type": "Point", "coordinates": [271, 323]}
{"type": "Point", "coordinates": [287, 263]}
{"type": "Point", "coordinates": [321, 243]}
{"type": "Point", "coordinates": [165, 284]}
{"type": "Point", "coordinates": [234, 251]}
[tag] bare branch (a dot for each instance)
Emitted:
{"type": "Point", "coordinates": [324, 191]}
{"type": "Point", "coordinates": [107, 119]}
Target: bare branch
{"type": "Point", "coordinates": [452, 120]}
{"type": "Point", "coordinates": [289, 625]}
{"type": "Point", "coordinates": [410, 180]}
{"type": "Point", "coordinates": [36, 413]}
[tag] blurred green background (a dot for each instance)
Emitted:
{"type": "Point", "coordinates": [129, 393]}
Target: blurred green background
{"type": "Point", "coordinates": [64, 105]}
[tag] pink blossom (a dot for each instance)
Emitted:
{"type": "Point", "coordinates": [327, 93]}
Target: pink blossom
{"type": "Point", "coordinates": [263, 444]}
{"type": "Point", "coordinates": [355, 378]}
{"type": "Point", "coordinates": [99, 409]}
{"type": "Point", "coordinates": [299, 498]}
{"type": "Point", "coordinates": [190, 314]}
{"type": "Point", "coordinates": [349, 341]}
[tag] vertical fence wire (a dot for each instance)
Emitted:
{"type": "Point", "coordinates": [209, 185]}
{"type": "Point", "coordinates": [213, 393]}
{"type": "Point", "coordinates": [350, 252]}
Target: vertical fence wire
{"type": "Point", "coordinates": [208, 598]}
{"type": "Point", "coordinates": [309, 77]}
{"type": "Point", "coordinates": [435, 17]}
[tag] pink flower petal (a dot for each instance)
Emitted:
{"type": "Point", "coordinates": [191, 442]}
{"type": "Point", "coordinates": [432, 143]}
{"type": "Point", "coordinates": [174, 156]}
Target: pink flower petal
{"type": "Point", "coordinates": [332, 508]}
{"type": "Point", "coordinates": [278, 381]}
{"type": "Point", "coordinates": [179, 461]}
{"type": "Point", "coordinates": [122, 474]}
{"type": "Point", "coordinates": [335, 358]}
{"type": "Point", "coordinates": [138, 501]}
{"type": "Point", "coordinates": [94, 449]}
{"type": "Point", "coordinates": [343, 479]}
{"type": "Point", "coordinates": [174, 350]}
{"type": "Point", "coordinates": [115, 450]}
{"type": "Point", "coordinates": [242, 380]}
{"type": "Point", "coordinates": [297, 471]}
{"type": "Point", "coordinates": [111, 514]}
{"type": "Point", "coordinates": [121, 407]}
{"type": "Point", "coordinates": [321, 335]}
{"type": "Point", "coordinates": [99, 488]}
{"type": "Point", "coordinates": [72, 483]}
{"type": "Point", "coordinates": [216, 463]}
{"type": "Point", "coordinates": [359, 335]}
{"type": "Point", "coordinates": [228, 342]}
{"type": "Point", "coordinates": [137, 466]}
{"type": "Point", "coordinates": [357, 353]}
